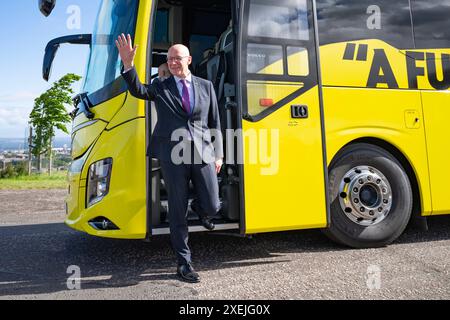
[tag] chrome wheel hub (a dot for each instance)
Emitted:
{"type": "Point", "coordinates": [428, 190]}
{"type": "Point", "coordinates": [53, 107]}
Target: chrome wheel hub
{"type": "Point", "coordinates": [365, 195]}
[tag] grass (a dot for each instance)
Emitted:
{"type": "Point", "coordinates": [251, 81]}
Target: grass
{"type": "Point", "coordinates": [58, 180]}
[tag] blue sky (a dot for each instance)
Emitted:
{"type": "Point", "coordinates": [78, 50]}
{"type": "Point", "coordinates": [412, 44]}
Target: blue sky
{"type": "Point", "coordinates": [25, 33]}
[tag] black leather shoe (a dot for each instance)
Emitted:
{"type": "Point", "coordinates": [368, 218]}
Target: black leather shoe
{"type": "Point", "coordinates": [187, 273]}
{"type": "Point", "coordinates": [207, 223]}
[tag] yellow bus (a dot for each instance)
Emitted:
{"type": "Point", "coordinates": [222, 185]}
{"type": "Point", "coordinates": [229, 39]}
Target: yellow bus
{"type": "Point", "coordinates": [333, 111]}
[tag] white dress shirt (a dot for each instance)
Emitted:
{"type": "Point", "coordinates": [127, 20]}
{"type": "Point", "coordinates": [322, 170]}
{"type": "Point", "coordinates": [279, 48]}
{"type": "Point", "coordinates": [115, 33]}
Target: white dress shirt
{"type": "Point", "coordinates": [189, 85]}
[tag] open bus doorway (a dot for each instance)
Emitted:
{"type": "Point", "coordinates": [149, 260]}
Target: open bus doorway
{"type": "Point", "coordinates": [206, 28]}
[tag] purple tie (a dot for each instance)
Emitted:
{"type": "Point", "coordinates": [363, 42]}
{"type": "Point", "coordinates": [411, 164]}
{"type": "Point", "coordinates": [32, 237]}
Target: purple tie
{"type": "Point", "coordinates": [185, 97]}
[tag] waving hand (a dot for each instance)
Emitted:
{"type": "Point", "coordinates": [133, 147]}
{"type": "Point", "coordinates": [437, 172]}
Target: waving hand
{"type": "Point", "coordinates": [126, 50]}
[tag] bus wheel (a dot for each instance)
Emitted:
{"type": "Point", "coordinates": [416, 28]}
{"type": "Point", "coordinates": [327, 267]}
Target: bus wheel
{"type": "Point", "coordinates": [371, 197]}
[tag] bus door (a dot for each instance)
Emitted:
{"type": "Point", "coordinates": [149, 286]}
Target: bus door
{"type": "Point", "coordinates": [283, 153]}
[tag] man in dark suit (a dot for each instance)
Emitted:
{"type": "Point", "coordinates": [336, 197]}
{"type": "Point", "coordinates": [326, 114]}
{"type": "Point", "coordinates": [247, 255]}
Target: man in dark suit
{"type": "Point", "coordinates": [187, 109]}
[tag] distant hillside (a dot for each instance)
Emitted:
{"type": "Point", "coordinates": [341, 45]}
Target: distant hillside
{"type": "Point", "coordinates": [17, 143]}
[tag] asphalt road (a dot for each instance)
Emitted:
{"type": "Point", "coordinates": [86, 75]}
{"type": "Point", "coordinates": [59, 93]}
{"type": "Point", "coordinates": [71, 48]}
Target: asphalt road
{"type": "Point", "coordinates": [37, 251]}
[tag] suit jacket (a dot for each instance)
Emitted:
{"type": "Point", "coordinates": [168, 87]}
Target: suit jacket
{"type": "Point", "coordinates": [172, 116]}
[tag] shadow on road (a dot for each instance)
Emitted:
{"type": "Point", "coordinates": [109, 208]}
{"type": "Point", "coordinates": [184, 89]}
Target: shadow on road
{"type": "Point", "coordinates": [34, 258]}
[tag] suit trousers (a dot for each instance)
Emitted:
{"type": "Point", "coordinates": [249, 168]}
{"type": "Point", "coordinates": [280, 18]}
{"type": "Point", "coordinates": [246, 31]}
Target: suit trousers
{"type": "Point", "coordinates": [177, 178]}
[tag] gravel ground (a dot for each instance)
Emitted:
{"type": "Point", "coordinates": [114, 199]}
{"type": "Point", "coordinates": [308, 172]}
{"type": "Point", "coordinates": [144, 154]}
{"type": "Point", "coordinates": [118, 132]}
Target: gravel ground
{"type": "Point", "coordinates": [32, 206]}
{"type": "Point", "coordinates": [36, 249]}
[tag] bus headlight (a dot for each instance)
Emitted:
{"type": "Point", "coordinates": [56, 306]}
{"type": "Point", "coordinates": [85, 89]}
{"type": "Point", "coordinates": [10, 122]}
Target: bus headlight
{"type": "Point", "coordinates": [99, 177]}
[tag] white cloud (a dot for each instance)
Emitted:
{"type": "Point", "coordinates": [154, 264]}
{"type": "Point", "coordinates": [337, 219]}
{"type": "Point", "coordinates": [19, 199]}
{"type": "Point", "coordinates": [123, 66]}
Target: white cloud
{"type": "Point", "coordinates": [13, 121]}
{"type": "Point", "coordinates": [14, 113]}
{"type": "Point", "coordinates": [18, 97]}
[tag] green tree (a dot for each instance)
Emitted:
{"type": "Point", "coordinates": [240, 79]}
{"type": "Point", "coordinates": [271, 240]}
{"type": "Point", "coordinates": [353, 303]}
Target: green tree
{"type": "Point", "coordinates": [49, 112]}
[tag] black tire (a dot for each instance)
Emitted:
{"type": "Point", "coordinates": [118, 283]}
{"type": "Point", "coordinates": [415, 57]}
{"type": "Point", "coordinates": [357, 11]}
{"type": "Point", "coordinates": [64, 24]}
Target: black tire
{"type": "Point", "coordinates": [350, 233]}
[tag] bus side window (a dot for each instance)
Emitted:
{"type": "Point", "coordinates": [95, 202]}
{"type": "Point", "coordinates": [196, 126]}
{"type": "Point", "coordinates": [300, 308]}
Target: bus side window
{"type": "Point", "coordinates": [278, 53]}
{"type": "Point", "coordinates": [161, 33]}
{"type": "Point", "coordinates": [385, 20]}
{"type": "Point", "coordinates": [297, 61]}
{"type": "Point", "coordinates": [431, 24]}
{"type": "Point", "coordinates": [264, 59]}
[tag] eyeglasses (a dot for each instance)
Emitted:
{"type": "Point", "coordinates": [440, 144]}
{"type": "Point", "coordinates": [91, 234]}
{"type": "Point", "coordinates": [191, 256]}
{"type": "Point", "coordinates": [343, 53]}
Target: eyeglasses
{"type": "Point", "coordinates": [177, 59]}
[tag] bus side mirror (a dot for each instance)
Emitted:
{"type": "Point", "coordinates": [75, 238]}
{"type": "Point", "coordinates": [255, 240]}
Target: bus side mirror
{"type": "Point", "coordinates": [53, 46]}
{"type": "Point", "coordinates": [46, 6]}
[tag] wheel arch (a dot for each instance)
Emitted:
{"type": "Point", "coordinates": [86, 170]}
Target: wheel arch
{"type": "Point", "coordinates": [400, 156]}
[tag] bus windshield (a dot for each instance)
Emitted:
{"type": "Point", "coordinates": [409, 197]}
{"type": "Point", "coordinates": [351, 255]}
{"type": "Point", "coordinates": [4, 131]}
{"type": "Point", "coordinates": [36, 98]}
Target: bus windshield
{"type": "Point", "coordinates": [114, 17]}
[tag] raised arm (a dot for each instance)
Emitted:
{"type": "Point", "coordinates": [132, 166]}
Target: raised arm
{"type": "Point", "coordinates": [127, 53]}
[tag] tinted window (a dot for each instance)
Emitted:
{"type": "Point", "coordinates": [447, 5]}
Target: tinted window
{"type": "Point", "coordinates": [347, 20]}
{"type": "Point", "coordinates": [161, 32]}
{"type": "Point", "coordinates": [114, 18]}
{"type": "Point", "coordinates": [263, 58]}
{"type": "Point", "coordinates": [283, 20]}
{"type": "Point", "coordinates": [277, 54]}
{"type": "Point", "coordinates": [431, 23]}
{"type": "Point", "coordinates": [198, 44]}
{"type": "Point", "coordinates": [275, 29]}
{"type": "Point", "coordinates": [297, 61]}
